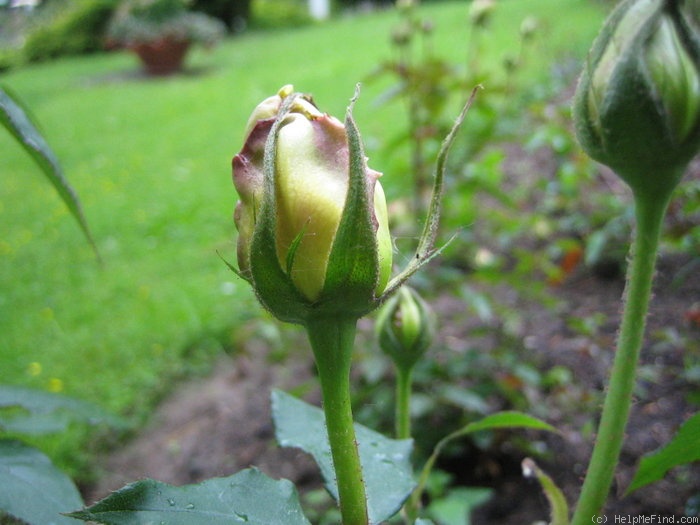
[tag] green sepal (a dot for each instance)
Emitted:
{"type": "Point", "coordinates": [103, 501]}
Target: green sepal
{"type": "Point", "coordinates": [353, 264]}
{"type": "Point", "coordinates": [426, 250]}
{"type": "Point", "coordinates": [273, 287]}
{"type": "Point", "coordinates": [242, 275]}
{"type": "Point", "coordinates": [289, 262]}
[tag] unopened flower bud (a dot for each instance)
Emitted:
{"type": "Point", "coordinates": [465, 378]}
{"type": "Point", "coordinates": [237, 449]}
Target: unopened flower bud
{"type": "Point", "coordinates": [402, 34]}
{"type": "Point", "coordinates": [311, 236]}
{"type": "Point", "coordinates": [405, 327]}
{"type": "Point", "coordinates": [528, 27]}
{"type": "Point", "coordinates": [480, 12]}
{"type": "Point", "coordinates": [406, 5]}
{"type": "Point", "coordinates": [637, 106]}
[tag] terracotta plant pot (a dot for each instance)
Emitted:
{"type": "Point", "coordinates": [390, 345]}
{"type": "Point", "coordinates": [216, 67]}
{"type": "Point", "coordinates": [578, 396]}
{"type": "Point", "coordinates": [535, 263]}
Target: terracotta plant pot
{"type": "Point", "coordinates": [163, 57]}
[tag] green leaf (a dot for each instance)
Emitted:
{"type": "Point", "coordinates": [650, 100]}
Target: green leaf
{"type": "Point", "coordinates": [683, 448]}
{"type": "Point", "coordinates": [16, 119]}
{"type": "Point", "coordinates": [33, 489]}
{"type": "Point", "coordinates": [507, 419]}
{"type": "Point", "coordinates": [455, 508]}
{"type": "Point", "coordinates": [246, 497]}
{"type": "Point", "coordinates": [499, 420]}
{"type": "Point", "coordinates": [30, 411]}
{"type": "Point", "coordinates": [464, 398]}
{"type": "Point", "coordinates": [557, 502]}
{"type": "Point", "coordinates": [385, 462]}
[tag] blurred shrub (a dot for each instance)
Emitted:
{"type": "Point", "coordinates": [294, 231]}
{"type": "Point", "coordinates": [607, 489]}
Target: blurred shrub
{"type": "Point", "coordinates": [138, 22]}
{"type": "Point", "coordinates": [378, 3]}
{"type": "Point", "coordinates": [71, 28]}
{"type": "Point", "coordinates": [271, 14]}
{"type": "Point", "coordinates": [345, 4]}
{"type": "Point", "coordinates": [9, 58]}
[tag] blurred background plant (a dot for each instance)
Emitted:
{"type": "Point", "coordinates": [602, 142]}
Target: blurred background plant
{"type": "Point", "coordinates": [273, 14]}
{"type": "Point", "coordinates": [44, 30]}
{"type": "Point", "coordinates": [430, 85]}
{"type": "Point", "coordinates": [151, 21]}
{"type": "Point", "coordinates": [160, 32]}
{"type": "Point", "coordinates": [55, 28]}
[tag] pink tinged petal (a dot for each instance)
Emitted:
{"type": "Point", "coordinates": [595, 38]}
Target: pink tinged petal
{"type": "Point", "coordinates": [248, 180]}
{"type": "Point", "coordinates": [248, 164]}
{"type": "Point", "coordinates": [245, 224]}
{"type": "Point", "coordinates": [268, 108]}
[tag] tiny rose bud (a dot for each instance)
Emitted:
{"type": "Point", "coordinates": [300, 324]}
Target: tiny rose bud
{"type": "Point", "coordinates": [480, 12]}
{"type": "Point", "coordinates": [289, 245]}
{"type": "Point", "coordinates": [402, 35]}
{"type": "Point", "coordinates": [405, 327]}
{"type": "Point", "coordinates": [406, 5]}
{"type": "Point", "coordinates": [528, 28]}
{"type": "Point", "coordinates": [637, 105]}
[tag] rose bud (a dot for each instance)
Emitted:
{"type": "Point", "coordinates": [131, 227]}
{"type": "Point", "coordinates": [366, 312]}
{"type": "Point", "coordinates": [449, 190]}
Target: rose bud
{"type": "Point", "coordinates": [480, 12]}
{"type": "Point", "coordinates": [405, 327]}
{"type": "Point", "coordinates": [637, 105]}
{"type": "Point", "coordinates": [312, 221]}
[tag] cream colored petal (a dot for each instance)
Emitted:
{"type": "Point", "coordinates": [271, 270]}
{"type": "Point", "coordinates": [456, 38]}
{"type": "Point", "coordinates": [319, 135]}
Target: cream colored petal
{"type": "Point", "coordinates": [311, 191]}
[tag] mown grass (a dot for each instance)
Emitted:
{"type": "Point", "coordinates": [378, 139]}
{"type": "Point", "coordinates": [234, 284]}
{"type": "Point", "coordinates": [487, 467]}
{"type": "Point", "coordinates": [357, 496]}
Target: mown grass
{"type": "Point", "coordinates": [150, 161]}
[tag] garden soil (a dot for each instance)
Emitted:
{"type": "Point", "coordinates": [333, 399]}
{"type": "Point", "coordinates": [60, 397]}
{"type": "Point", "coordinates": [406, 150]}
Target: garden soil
{"type": "Point", "coordinates": [217, 425]}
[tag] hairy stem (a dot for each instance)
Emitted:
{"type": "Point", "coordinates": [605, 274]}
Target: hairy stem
{"type": "Point", "coordinates": [332, 342]}
{"type": "Point", "coordinates": [404, 379]}
{"type": "Point", "coordinates": [403, 402]}
{"type": "Point", "coordinates": [649, 211]}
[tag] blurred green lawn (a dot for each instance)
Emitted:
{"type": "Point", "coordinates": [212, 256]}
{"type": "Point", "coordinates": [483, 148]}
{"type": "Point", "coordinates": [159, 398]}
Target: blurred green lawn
{"type": "Point", "coordinates": [150, 160]}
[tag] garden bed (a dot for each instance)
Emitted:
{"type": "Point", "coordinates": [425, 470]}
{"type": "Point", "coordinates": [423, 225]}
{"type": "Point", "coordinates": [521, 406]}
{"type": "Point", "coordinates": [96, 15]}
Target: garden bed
{"type": "Point", "coordinates": [220, 424]}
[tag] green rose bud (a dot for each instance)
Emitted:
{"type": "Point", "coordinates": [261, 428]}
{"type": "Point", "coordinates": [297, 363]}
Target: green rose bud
{"type": "Point", "coordinates": [637, 106]}
{"type": "Point", "coordinates": [312, 219]}
{"type": "Point", "coordinates": [405, 327]}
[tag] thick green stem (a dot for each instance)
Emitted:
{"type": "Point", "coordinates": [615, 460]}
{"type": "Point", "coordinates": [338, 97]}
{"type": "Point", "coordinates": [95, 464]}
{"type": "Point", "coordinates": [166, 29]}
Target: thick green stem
{"type": "Point", "coordinates": [332, 342]}
{"type": "Point", "coordinates": [404, 381]}
{"type": "Point", "coordinates": [649, 214]}
{"type": "Point", "coordinates": [403, 402]}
